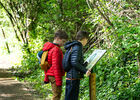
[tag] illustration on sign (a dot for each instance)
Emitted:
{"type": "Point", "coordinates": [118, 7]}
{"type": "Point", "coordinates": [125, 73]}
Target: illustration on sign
{"type": "Point", "coordinates": [94, 58]}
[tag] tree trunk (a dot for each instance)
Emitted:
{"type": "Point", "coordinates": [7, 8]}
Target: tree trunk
{"type": "Point", "coordinates": [7, 46]}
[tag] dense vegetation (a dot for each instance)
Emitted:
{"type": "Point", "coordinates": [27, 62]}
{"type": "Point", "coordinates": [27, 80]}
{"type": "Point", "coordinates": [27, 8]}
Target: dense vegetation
{"type": "Point", "coordinates": [114, 25]}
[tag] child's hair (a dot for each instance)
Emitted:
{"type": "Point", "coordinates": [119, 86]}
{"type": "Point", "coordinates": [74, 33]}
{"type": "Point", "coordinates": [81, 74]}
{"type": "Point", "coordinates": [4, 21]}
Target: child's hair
{"type": "Point", "coordinates": [61, 34]}
{"type": "Point", "coordinates": [82, 34]}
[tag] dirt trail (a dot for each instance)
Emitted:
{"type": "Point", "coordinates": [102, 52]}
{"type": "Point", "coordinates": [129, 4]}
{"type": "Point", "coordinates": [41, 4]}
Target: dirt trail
{"type": "Point", "coordinates": [11, 89]}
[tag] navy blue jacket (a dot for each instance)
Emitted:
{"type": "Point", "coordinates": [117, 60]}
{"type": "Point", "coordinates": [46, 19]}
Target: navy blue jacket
{"type": "Point", "coordinates": [76, 60]}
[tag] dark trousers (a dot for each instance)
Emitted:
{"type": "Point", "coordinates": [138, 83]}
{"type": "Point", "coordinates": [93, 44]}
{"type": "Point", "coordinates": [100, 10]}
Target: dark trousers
{"type": "Point", "coordinates": [72, 89]}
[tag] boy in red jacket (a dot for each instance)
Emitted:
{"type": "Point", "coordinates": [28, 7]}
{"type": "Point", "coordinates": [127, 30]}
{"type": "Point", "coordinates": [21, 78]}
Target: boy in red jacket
{"type": "Point", "coordinates": [55, 72]}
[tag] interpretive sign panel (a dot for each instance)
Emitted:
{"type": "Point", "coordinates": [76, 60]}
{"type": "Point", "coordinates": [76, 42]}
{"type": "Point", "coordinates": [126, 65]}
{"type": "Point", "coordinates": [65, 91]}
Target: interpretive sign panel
{"type": "Point", "coordinates": [94, 58]}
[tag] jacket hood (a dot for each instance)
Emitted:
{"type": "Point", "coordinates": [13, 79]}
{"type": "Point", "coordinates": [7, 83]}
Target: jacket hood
{"type": "Point", "coordinates": [48, 46]}
{"type": "Point", "coordinates": [70, 44]}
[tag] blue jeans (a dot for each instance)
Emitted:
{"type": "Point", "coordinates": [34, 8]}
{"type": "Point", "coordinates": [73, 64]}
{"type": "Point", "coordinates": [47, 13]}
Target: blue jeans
{"type": "Point", "coordinates": [72, 89]}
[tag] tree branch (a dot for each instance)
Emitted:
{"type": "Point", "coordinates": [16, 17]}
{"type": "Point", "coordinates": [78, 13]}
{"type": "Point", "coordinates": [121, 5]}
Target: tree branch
{"type": "Point", "coordinates": [107, 19]}
{"type": "Point", "coordinates": [138, 61]}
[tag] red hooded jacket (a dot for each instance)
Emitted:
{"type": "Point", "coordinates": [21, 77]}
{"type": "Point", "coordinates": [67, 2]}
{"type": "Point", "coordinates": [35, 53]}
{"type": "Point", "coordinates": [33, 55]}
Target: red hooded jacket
{"type": "Point", "coordinates": [55, 57]}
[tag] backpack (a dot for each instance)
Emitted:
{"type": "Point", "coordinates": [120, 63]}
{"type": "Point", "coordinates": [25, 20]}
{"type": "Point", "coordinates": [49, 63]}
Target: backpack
{"type": "Point", "coordinates": [44, 63]}
{"type": "Point", "coordinates": [66, 62]}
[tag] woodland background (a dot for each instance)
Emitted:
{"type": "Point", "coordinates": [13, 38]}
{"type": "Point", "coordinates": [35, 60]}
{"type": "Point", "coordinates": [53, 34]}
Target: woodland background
{"type": "Point", "coordinates": [25, 25]}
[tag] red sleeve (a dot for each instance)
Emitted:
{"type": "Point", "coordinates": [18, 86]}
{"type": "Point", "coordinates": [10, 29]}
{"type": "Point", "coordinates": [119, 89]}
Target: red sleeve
{"type": "Point", "coordinates": [46, 77]}
{"type": "Point", "coordinates": [63, 72]}
{"type": "Point", "coordinates": [56, 64]}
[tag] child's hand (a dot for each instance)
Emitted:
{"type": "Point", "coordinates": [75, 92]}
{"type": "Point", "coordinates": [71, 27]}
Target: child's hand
{"type": "Point", "coordinates": [88, 73]}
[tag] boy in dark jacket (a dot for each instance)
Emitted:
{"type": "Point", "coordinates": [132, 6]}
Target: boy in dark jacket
{"type": "Point", "coordinates": [78, 68]}
{"type": "Point", "coordinates": [55, 72]}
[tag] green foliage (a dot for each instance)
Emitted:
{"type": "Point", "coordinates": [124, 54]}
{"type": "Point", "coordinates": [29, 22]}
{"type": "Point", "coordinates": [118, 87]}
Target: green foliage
{"type": "Point", "coordinates": [116, 72]}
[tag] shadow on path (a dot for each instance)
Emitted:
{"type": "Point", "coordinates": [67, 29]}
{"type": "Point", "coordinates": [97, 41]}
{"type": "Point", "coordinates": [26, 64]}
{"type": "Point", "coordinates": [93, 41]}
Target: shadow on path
{"type": "Point", "coordinates": [11, 89]}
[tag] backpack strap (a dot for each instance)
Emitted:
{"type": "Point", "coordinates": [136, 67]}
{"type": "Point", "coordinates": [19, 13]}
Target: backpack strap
{"type": "Point", "coordinates": [43, 58]}
{"type": "Point", "coordinates": [71, 49]}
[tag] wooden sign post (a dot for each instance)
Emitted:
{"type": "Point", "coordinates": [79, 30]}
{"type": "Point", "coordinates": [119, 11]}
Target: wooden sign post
{"type": "Point", "coordinates": [92, 86]}
{"type": "Point", "coordinates": [92, 60]}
